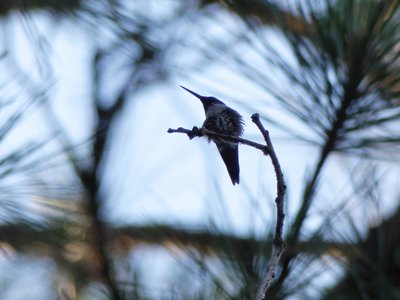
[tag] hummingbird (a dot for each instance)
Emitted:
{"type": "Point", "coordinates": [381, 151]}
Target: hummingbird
{"type": "Point", "coordinates": [222, 119]}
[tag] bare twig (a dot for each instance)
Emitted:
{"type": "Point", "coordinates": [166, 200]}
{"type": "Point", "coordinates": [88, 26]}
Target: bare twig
{"type": "Point", "coordinates": [279, 246]}
{"type": "Point", "coordinates": [203, 131]}
{"type": "Point", "coordinates": [281, 187]}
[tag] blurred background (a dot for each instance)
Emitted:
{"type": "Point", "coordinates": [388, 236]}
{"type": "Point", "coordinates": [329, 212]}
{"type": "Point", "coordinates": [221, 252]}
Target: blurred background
{"type": "Point", "coordinates": [98, 201]}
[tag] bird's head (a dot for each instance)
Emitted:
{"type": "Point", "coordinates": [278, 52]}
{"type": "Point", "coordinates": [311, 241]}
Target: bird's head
{"type": "Point", "coordinates": [207, 101]}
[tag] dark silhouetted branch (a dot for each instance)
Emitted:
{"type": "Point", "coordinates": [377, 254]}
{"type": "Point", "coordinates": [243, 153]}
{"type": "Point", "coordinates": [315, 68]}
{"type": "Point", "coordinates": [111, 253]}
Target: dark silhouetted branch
{"type": "Point", "coordinates": [279, 246]}
{"type": "Point", "coordinates": [196, 132]}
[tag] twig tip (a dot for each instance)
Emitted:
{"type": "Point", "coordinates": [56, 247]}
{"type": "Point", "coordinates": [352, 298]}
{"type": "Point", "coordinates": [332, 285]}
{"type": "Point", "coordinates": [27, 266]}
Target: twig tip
{"type": "Point", "coordinates": [255, 117]}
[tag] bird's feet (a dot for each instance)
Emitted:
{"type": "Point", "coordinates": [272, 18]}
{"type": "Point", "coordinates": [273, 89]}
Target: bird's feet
{"type": "Point", "coordinates": [195, 132]}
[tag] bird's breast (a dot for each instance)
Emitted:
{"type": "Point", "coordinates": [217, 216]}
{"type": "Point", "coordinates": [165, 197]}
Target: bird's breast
{"type": "Point", "coordinates": [222, 119]}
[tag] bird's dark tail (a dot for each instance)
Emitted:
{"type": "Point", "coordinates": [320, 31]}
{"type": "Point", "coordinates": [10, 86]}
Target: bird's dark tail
{"type": "Point", "coordinates": [230, 156]}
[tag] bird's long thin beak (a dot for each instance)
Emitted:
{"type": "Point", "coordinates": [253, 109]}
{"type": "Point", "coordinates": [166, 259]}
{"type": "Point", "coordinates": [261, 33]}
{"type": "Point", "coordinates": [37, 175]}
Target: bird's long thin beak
{"type": "Point", "coordinates": [193, 93]}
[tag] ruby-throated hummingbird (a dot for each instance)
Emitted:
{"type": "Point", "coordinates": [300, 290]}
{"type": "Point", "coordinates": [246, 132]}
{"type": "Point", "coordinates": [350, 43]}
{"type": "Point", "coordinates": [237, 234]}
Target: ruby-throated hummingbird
{"type": "Point", "coordinates": [223, 119]}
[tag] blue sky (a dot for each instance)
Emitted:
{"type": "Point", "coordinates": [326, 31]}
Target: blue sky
{"type": "Point", "coordinates": [152, 176]}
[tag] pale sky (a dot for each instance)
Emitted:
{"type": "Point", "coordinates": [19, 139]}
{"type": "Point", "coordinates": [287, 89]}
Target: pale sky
{"type": "Point", "coordinates": [153, 176]}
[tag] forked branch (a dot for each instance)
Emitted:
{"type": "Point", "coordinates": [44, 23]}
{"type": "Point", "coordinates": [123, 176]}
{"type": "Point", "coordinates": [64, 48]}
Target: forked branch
{"type": "Point", "coordinates": [279, 246]}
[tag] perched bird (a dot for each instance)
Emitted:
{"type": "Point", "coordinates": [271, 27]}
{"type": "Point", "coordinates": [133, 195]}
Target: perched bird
{"type": "Point", "coordinates": [222, 119]}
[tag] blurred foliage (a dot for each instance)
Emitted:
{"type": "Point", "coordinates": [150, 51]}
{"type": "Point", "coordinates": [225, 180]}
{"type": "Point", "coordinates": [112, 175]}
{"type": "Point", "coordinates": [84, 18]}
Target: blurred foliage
{"type": "Point", "coordinates": [339, 79]}
{"type": "Point", "coordinates": [54, 6]}
{"type": "Point", "coordinates": [374, 268]}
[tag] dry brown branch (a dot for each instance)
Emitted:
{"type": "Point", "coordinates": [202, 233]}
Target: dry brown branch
{"type": "Point", "coordinates": [196, 132]}
{"type": "Point", "coordinates": [279, 246]}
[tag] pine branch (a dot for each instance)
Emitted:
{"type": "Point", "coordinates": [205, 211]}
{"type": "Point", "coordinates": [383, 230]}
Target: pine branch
{"type": "Point", "coordinates": [196, 132]}
{"type": "Point", "coordinates": [64, 6]}
{"type": "Point", "coordinates": [279, 246]}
